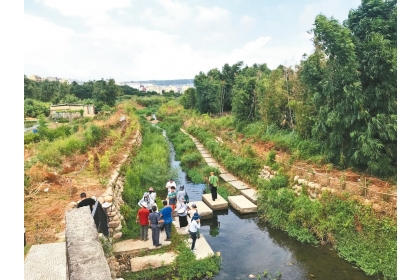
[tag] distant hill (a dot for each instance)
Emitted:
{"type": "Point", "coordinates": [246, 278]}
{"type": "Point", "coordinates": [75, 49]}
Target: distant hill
{"type": "Point", "coordinates": [165, 82]}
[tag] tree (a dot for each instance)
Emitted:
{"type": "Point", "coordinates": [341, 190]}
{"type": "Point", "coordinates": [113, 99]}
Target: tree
{"type": "Point", "coordinates": [208, 90]}
{"type": "Point", "coordinates": [352, 83]}
{"type": "Point", "coordinates": [188, 99]}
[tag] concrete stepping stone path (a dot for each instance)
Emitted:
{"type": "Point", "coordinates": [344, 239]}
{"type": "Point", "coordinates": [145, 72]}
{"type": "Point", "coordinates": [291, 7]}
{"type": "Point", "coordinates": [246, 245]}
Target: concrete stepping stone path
{"type": "Point", "coordinates": [136, 245]}
{"type": "Point", "coordinates": [228, 177]}
{"type": "Point", "coordinates": [251, 194]}
{"type": "Point", "coordinates": [152, 261]}
{"type": "Point", "coordinates": [242, 204]}
{"type": "Point", "coordinates": [219, 204]}
{"type": "Point", "coordinates": [203, 249]}
{"type": "Point", "coordinates": [239, 185]}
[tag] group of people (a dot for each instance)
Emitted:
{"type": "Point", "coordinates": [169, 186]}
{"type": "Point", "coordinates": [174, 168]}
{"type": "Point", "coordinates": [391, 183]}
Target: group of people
{"type": "Point", "coordinates": [176, 204]}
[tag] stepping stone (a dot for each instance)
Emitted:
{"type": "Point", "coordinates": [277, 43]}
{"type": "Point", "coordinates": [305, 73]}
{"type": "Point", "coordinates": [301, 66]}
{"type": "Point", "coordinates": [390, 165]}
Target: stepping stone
{"type": "Point", "coordinates": [204, 211]}
{"type": "Point", "coordinates": [228, 177]}
{"type": "Point", "coordinates": [242, 204]}
{"type": "Point", "coordinates": [203, 249]}
{"type": "Point", "coordinates": [136, 245]}
{"type": "Point", "coordinates": [46, 262]}
{"type": "Point", "coordinates": [219, 204]}
{"type": "Point", "coordinates": [210, 160]}
{"type": "Point", "coordinates": [152, 261]}
{"type": "Point", "coordinates": [206, 155]}
{"type": "Point", "coordinates": [239, 185]}
{"type": "Point", "coordinates": [213, 164]}
{"type": "Point", "coordinates": [251, 194]}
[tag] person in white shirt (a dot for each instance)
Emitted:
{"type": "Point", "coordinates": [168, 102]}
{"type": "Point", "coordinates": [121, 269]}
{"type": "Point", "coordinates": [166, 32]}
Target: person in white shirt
{"type": "Point", "coordinates": [182, 214]}
{"type": "Point", "coordinates": [194, 226]}
{"type": "Point", "coordinates": [181, 194]}
{"type": "Point", "coordinates": [169, 184]}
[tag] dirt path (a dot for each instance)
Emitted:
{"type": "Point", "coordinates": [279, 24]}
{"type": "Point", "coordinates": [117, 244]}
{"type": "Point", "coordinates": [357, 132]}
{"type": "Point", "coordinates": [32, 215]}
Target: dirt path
{"type": "Point", "coordinates": [54, 189]}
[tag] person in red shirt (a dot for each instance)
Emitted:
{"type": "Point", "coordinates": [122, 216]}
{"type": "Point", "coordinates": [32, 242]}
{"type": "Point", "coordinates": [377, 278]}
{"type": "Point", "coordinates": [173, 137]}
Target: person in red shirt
{"type": "Point", "coordinates": [143, 217]}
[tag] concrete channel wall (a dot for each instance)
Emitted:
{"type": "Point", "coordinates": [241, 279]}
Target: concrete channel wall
{"type": "Point", "coordinates": [85, 256]}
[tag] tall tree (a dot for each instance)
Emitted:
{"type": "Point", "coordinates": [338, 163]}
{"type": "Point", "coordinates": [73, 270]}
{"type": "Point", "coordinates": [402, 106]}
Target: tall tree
{"type": "Point", "coordinates": [355, 98]}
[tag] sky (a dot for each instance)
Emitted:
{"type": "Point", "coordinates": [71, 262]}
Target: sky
{"type": "Point", "coordinates": [167, 39]}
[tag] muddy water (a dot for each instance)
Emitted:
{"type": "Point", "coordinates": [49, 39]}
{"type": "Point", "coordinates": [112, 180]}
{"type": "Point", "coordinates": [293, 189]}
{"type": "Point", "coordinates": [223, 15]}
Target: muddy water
{"type": "Point", "coordinates": [249, 246]}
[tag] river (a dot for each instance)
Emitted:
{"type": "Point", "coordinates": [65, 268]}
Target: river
{"type": "Point", "coordinates": [250, 246]}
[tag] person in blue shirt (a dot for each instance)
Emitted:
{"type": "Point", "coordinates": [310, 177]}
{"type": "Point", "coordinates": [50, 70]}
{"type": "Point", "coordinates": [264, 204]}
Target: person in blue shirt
{"type": "Point", "coordinates": [166, 215]}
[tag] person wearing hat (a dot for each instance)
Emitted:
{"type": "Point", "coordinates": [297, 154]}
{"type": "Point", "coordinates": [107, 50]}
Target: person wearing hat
{"type": "Point", "coordinates": [194, 226]}
{"type": "Point", "coordinates": [214, 184]}
{"type": "Point", "coordinates": [182, 214]}
{"type": "Point", "coordinates": [169, 184]}
{"type": "Point", "coordinates": [182, 193]}
{"type": "Point", "coordinates": [152, 197]}
{"type": "Point", "coordinates": [142, 218]}
{"type": "Point", "coordinates": [192, 210]}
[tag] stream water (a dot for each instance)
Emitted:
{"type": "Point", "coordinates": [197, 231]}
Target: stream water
{"type": "Point", "coordinates": [249, 246]}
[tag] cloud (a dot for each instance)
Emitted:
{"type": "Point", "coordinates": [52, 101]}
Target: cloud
{"type": "Point", "coordinates": [93, 11]}
{"type": "Point", "coordinates": [251, 47]}
{"type": "Point", "coordinates": [46, 44]}
{"type": "Point", "coordinates": [214, 17]}
{"type": "Point", "coordinates": [247, 22]}
{"type": "Point", "coordinates": [169, 15]}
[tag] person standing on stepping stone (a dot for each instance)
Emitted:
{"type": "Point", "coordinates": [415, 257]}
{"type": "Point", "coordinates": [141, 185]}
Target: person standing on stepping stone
{"type": "Point", "coordinates": [142, 218]}
{"type": "Point", "coordinates": [154, 219]}
{"type": "Point", "coordinates": [214, 184]}
{"type": "Point", "coordinates": [195, 225]}
{"type": "Point", "coordinates": [191, 213]}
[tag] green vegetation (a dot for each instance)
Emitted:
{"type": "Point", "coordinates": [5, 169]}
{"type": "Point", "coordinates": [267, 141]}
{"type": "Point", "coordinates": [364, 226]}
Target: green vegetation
{"type": "Point", "coordinates": [355, 231]}
{"type": "Point", "coordinates": [150, 168]}
{"type": "Point", "coordinates": [343, 96]}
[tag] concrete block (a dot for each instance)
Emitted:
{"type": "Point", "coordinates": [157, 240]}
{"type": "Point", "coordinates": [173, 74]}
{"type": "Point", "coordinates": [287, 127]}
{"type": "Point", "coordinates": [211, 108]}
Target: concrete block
{"type": "Point", "coordinates": [204, 210]}
{"type": "Point", "coordinates": [152, 261]}
{"type": "Point", "coordinates": [242, 204]}
{"type": "Point", "coordinates": [209, 160]}
{"type": "Point", "coordinates": [219, 204]}
{"type": "Point", "coordinates": [228, 177]}
{"type": "Point", "coordinates": [239, 185]}
{"type": "Point", "coordinates": [251, 194]}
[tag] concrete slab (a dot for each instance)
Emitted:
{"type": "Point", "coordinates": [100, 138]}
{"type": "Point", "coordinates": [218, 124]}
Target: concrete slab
{"type": "Point", "coordinates": [136, 245]}
{"type": "Point", "coordinates": [46, 262]}
{"type": "Point", "coordinates": [204, 211]}
{"type": "Point", "coordinates": [203, 249]}
{"type": "Point", "coordinates": [242, 204]}
{"type": "Point", "coordinates": [152, 261]}
{"type": "Point", "coordinates": [210, 160]}
{"type": "Point", "coordinates": [228, 177]}
{"type": "Point", "coordinates": [199, 145]}
{"type": "Point", "coordinates": [239, 185]}
{"type": "Point", "coordinates": [214, 164]}
{"type": "Point", "coordinates": [219, 204]}
{"type": "Point", "coordinates": [251, 194]}
{"type": "Point", "coordinates": [205, 155]}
